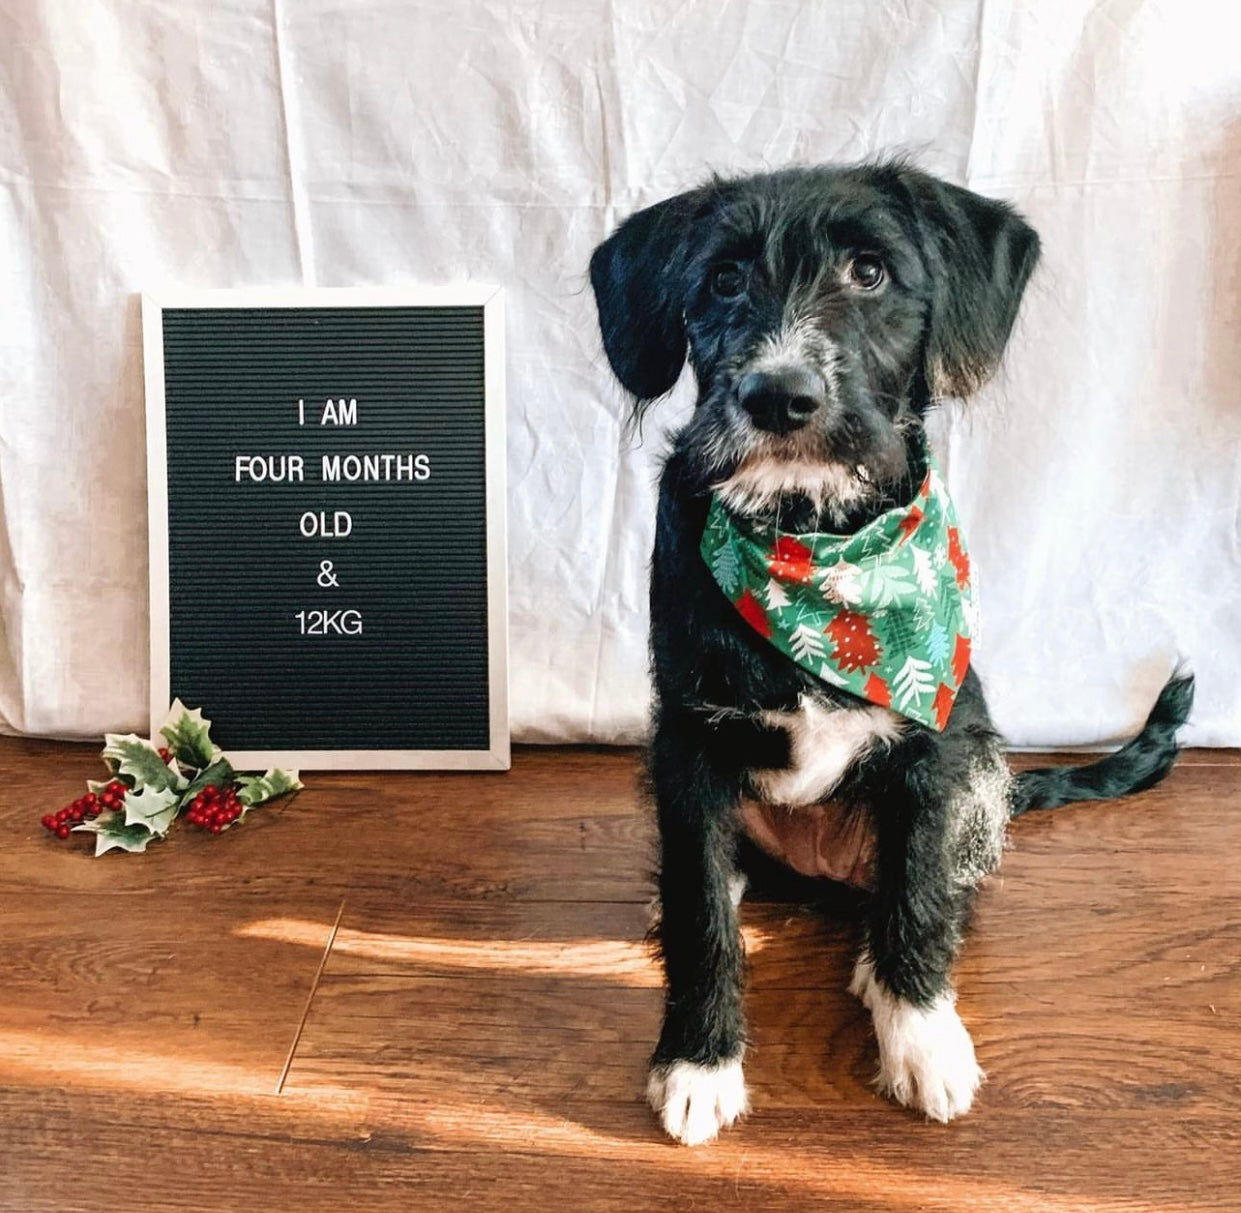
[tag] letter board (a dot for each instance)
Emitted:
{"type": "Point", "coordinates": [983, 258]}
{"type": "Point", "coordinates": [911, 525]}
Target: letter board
{"type": "Point", "coordinates": [327, 536]}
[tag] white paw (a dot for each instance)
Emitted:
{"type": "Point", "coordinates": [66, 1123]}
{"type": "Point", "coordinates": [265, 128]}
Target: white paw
{"type": "Point", "coordinates": [695, 1102]}
{"type": "Point", "coordinates": [926, 1057]}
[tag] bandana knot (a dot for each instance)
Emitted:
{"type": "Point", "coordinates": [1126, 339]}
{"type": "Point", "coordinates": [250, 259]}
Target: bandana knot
{"type": "Point", "coordinates": [885, 613]}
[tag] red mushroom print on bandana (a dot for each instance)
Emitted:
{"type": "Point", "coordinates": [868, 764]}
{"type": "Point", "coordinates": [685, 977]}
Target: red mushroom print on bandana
{"type": "Point", "coordinates": [884, 613]}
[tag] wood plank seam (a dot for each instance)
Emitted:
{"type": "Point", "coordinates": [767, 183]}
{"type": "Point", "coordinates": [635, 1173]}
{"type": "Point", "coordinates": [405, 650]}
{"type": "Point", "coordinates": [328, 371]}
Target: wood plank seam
{"type": "Point", "coordinates": [314, 986]}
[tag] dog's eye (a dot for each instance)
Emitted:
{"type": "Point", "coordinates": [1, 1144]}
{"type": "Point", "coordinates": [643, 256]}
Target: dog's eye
{"type": "Point", "coordinates": [866, 271]}
{"type": "Point", "coordinates": [727, 280]}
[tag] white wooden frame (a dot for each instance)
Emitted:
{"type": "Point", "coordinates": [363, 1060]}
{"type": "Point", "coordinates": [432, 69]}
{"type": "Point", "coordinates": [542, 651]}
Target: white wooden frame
{"type": "Point", "coordinates": [491, 299]}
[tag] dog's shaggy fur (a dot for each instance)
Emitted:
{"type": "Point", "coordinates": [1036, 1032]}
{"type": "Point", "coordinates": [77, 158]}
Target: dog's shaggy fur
{"type": "Point", "coordinates": [824, 311]}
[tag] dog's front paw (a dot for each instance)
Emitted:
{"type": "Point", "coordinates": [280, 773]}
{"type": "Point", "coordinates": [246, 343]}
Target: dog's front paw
{"type": "Point", "coordinates": [926, 1057]}
{"type": "Point", "coordinates": [927, 1062]}
{"type": "Point", "coordinates": [695, 1102]}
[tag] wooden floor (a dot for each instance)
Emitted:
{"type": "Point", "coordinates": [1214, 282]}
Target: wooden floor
{"type": "Point", "coordinates": [430, 991]}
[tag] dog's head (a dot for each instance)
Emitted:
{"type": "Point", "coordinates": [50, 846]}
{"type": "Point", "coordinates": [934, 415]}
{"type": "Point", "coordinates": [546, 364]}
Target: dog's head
{"type": "Point", "coordinates": [822, 310]}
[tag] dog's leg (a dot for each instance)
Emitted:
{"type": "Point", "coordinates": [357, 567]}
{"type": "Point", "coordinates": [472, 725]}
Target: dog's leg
{"type": "Point", "coordinates": [926, 1057]}
{"type": "Point", "coordinates": [696, 1085]}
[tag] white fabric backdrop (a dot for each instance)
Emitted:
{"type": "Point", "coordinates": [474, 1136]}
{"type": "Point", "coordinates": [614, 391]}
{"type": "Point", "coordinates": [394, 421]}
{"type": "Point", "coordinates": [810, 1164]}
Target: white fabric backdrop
{"type": "Point", "coordinates": [342, 142]}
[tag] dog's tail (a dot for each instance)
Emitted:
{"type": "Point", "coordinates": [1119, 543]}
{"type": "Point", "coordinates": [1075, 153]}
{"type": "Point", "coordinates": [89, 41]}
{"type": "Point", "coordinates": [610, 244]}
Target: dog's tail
{"type": "Point", "coordinates": [1139, 764]}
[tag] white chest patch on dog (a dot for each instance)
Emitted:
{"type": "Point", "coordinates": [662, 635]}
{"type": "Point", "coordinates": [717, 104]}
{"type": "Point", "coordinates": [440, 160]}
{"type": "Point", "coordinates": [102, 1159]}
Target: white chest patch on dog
{"type": "Point", "coordinates": [695, 1102]}
{"type": "Point", "coordinates": [824, 742]}
{"type": "Point", "coordinates": [926, 1057]}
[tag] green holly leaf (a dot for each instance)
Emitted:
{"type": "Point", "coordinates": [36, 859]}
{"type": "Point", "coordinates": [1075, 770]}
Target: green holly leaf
{"type": "Point", "coordinates": [220, 773]}
{"type": "Point", "coordinates": [153, 808]}
{"type": "Point", "coordinates": [259, 789]}
{"type": "Point", "coordinates": [111, 833]}
{"type": "Point", "coordinates": [189, 736]}
{"type": "Point", "coordinates": [140, 761]}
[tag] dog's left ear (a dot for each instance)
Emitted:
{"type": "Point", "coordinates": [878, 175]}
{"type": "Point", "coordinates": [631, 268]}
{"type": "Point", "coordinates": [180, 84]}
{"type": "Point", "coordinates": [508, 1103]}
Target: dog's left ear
{"type": "Point", "coordinates": [638, 276]}
{"type": "Point", "coordinates": [980, 255]}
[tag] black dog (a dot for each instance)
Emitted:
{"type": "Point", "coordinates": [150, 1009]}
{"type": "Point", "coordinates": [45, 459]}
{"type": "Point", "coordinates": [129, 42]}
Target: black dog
{"type": "Point", "coordinates": [823, 311]}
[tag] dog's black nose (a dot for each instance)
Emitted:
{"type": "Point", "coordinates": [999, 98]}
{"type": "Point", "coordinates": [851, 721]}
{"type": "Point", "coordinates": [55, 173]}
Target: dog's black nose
{"type": "Point", "coordinates": [784, 400]}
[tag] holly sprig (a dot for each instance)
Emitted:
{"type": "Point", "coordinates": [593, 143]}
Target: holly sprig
{"type": "Point", "coordinates": [151, 785]}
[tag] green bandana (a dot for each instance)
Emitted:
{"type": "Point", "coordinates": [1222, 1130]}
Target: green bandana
{"type": "Point", "coordinates": [884, 613]}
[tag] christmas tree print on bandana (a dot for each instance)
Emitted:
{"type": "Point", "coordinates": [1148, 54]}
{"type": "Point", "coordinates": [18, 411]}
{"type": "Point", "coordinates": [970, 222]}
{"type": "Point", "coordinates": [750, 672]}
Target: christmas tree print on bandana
{"type": "Point", "coordinates": [885, 613]}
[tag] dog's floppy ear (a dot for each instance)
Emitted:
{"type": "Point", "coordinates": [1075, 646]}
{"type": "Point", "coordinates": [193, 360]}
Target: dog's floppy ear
{"type": "Point", "coordinates": [980, 255]}
{"type": "Point", "coordinates": [638, 275]}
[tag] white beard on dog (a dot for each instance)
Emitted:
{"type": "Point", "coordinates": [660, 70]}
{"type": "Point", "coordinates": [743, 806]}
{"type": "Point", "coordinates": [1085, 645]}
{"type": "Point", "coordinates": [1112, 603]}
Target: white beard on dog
{"type": "Point", "coordinates": [761, 480]}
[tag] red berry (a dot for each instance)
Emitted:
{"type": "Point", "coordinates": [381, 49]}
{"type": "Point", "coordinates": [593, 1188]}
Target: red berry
{"type": "Point", "coordinates": [49, 822]}
{"type": "Point", "coordinates": [75, 814]}
{"type": "Point", "coordinates": [62, 830]}
{"type": "Point", "coordinates": [215, 827]}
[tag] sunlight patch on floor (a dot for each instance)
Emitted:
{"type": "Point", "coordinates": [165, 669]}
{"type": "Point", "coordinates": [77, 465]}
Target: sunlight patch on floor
{"type": "Point", "coordinates": [863, 1179]}
{"type": "Point", "coordinates": [619, 960]}
{"type": "Point", "coordinates": [96, 1062]}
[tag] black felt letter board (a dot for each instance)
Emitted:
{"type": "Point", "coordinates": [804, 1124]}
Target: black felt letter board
{"type": "Point", "coordinates": [327, 526]}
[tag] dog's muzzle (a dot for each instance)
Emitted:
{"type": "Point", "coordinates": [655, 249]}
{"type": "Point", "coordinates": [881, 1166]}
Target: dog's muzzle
{"type": "Point", "coordinates": [784, 400]}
